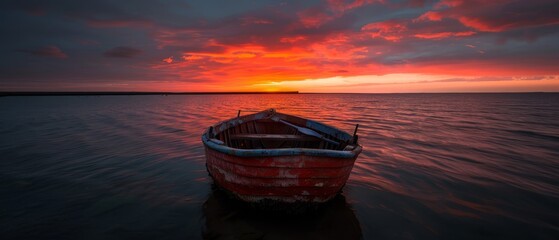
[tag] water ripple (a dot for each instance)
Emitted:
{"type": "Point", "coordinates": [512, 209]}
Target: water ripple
{"type": "Point", "coordinates": [464, 166]}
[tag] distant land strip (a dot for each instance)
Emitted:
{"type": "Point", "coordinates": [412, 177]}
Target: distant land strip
{"type": "Point", "coordinates": [5, 94]}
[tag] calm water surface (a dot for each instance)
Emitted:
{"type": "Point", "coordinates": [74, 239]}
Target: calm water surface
{"type": "Point", "coordinates": [434, 166]}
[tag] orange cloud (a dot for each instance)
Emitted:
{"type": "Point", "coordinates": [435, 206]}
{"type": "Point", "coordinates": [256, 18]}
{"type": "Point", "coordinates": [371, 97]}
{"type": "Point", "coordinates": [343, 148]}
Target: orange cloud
{"type": "Point", "coordinates": [478, 24]}
{"type": "Point", "coordinates": [388, 30]}
{"type": "Point", "coordinates": [168, 60]}
{"type": "Point", "coordinates": [312, 18]}
{"type": "Point", "coordinates": [441, 35]}
{"type": "Point", "coordinates": [293, 39]}
{"type": "Point", "coordinates": [430, 16]}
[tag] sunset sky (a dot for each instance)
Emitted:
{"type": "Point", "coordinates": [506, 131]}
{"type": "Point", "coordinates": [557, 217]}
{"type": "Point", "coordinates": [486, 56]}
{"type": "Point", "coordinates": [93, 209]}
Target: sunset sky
{"type": "Point", "coordinates": [309, 46]}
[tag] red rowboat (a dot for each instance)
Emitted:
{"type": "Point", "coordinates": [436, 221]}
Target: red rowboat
{"type": "Point", "coordinates": [279, 157]}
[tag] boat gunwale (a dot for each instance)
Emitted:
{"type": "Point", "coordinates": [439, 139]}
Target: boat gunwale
{"type": "Point", "coordinates": [279, 151]}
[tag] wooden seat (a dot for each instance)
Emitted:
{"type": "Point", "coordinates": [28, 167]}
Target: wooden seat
{"type": "Point", "coordinates": [279, 137]}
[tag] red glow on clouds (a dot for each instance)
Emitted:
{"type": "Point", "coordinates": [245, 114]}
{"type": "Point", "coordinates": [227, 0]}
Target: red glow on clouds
{"type": "Point", "coordinates": [431, 16]}
{"type": "Point", "coordinates": [252, 60]}
{"type": "Point", "coordinates": [389, 30]}
{"type": "Point", "coordinates": [342, 6]}
{"type": "Point", "coordinates": [313, 18]}
{"type": "Point", "coordinates": [441, 35]}
{"type": "Point", "coordinates": [334, 45]}
{"type": "Point", "coordinates": [168, 60]}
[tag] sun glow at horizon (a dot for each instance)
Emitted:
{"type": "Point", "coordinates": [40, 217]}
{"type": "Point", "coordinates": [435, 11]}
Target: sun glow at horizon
{"type": "Point", "coordinates": [324, 46]}
{"type": "Point", "coordinates": [392, 83]}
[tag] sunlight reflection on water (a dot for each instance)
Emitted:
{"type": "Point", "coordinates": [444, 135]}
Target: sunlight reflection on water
{"type": "Point", "coordinates": [433, 166]}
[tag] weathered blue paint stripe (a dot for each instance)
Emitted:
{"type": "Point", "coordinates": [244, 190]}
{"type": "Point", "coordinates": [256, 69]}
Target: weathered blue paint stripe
{"type": "Point", "coordinates": [280, 151]}
{"type": "Point", "coordinates": [222, 126]}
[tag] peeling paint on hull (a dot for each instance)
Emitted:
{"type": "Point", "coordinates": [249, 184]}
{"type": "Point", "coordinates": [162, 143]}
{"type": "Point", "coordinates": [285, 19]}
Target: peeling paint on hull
{"type": "Point", "coordinates": [286, 183]}
{"type": "Point", "coordinates": [284, 175]}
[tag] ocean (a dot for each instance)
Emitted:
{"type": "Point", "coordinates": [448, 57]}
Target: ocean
{"type": "Point", "coordinates": [434, 166]}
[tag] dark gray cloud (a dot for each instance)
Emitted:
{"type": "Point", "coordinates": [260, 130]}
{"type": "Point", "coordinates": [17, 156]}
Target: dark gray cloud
{"type": "Point", "coordinates": [46, 51]}
{"type": "Point", "coordinates": [122, 52]}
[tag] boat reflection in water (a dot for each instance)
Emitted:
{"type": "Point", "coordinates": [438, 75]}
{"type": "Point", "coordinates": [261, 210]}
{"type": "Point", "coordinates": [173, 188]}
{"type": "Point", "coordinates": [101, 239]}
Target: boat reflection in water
{"type": "Point", "coordinates": [228, 218]}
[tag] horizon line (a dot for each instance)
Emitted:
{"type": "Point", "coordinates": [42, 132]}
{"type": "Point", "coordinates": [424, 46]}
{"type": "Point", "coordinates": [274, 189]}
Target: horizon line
{"type": "Point", "coordinates": [93, 93]}
{"type": "Point", "coordinates": [109, 93]}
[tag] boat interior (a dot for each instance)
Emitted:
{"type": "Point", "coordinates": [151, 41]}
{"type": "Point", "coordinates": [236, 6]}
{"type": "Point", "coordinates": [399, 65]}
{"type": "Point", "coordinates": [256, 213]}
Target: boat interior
{"type": "Point", "coordinates": [269, 134]}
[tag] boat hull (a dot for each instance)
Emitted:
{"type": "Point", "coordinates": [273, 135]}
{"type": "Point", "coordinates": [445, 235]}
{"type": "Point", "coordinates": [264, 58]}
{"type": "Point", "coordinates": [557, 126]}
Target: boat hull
{"type": "Point", "coordinates": [283, 178]}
